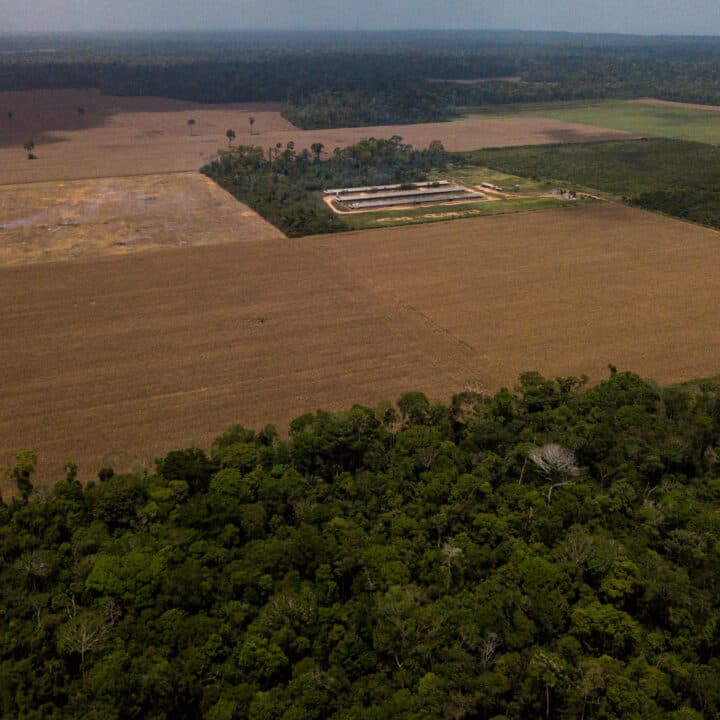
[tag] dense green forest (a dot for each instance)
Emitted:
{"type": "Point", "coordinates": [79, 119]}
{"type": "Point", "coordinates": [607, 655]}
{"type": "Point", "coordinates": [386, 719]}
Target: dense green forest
{"type": "Point", "coordinates": [352, 108]}
{"type": "Point", "coordinates": [283, 185]}
{"type": "Point", "coordinates": [676, 177]}
{"type": "Point", "coordinates": [340, 79]}
{"type": "Point", "coordinates": [546, 552]}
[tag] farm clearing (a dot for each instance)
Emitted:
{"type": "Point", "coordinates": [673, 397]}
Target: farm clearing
{"type": "Point", "coordinates": [660, 118]}
{"type": "Point", "coordinates": [135, 136]}
{"type": "Point", "coordinates": [65, 220]}
{"type": "Point", "coordinates": [116, 360]}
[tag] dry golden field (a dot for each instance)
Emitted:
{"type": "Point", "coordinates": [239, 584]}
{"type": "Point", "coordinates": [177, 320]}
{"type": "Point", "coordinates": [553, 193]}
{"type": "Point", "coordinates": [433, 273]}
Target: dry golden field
{"type": "Point", "coordinates": [116, 360]}
{"type": "Point", "coordinates": [136, 136]}
{"type": "Point", "coordinates": [80, 218]}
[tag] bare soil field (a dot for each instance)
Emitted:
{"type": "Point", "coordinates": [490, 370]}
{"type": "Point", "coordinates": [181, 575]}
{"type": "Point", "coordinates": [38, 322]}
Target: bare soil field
{"type": "Point", "coordinates": [117, 360]}
{"type": "Point", "coordinates": [135, 136]}
{"type": "Point", "coordinates": [562, 292]}
{"type": "Point", "coordinates": [81, 218]}
{"type": "Point", "coordinates": [114, 361]}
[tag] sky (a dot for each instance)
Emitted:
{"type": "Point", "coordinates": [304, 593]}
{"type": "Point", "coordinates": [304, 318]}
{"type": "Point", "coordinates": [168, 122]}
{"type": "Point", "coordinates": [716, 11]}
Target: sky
{"type": "Point", "coordinates": [692, 17]}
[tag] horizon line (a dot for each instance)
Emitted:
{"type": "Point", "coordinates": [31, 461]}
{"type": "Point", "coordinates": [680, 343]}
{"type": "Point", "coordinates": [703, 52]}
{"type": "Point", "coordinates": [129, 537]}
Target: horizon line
{"type": "Point", "coordinates": [350, 30]}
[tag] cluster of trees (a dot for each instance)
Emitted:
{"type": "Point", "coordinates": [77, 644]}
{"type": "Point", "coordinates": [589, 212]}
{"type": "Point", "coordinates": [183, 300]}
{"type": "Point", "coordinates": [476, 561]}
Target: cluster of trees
{"type": "Point", "coordinates": [282, 184]}
{"type": "Point", "coordinates": [354, 108]}
{"type": "Point", "coordinates": [331, 80]}
{"type": "Point", "coordinates": [547, 552]}
{"type": "Point", "coordinates": [676, 177]}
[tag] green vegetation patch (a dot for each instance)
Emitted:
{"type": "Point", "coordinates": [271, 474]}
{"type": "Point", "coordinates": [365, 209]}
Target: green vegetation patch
{"type": "Point", "coordinates": [549, 551]}
{"type": "Point", "coordinates": [450, 211]}
{"type": "Point", "coordinates": [354, 108]}
{"type": "Point", "coordinates": [631, 116]}
{"type": "Point", "coordinates": [474, 175]}
{"type": "Point", "coordinates": [677, 177]}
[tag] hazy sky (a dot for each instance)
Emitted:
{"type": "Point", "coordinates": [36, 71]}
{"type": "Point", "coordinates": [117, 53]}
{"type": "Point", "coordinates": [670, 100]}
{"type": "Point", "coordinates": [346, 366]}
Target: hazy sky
{"type": "Point", "coordinates": [626, 16]}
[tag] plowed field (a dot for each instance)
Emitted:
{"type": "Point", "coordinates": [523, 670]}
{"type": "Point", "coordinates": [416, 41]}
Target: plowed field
{"type": "Point", "coordinates": [135, 136]}
{"type": "Point", "coordinates": [117, 360]}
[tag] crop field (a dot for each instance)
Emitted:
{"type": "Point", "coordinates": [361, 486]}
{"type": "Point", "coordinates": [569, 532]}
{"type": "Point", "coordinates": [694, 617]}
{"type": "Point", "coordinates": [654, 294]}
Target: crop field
{"type": "Point", "coordinates": [80, 218]}
{"type": "Point", "coordinates": [641, 117]}
{"type": "Point", "coordinates": [135, 136]}
{"type": "Point", "coordinates": [115, 360]}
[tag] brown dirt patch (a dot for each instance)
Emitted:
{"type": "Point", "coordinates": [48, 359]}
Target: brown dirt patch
{"type": "Point", "coordinates": [117, 360]}
{"type": "Point", "coordinates": [135, 136]}
{"type": "Point", "coordinates": [64, 220]}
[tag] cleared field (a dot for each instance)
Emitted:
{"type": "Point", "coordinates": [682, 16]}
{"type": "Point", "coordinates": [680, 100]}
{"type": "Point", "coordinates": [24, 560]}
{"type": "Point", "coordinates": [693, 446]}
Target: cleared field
{"type": "Point", "coordinates": [134, 136]}
{"type": "Point", "coordinates": [116, 360]}
{"type": "Point", "coordinates": [640, 117]}
{"type": "Point", "coordinates": [450, 211]}
{"type": "Point", "coordinates": [475, 175]}
{"type": "Point", "coordinates": [64, 220]}
{"type": "Point", "coordinates": [564, 291]}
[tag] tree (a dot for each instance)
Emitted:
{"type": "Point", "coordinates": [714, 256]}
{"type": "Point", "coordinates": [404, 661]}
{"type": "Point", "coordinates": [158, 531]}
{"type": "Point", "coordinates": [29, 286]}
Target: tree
{"type": "Point", "coordinates": [556, 463]}
{"type": "Point", "coordinates": [317, 149]}
{"type": "Point", "coordinates": [71, 471]}
{"type": "Point", "coordinates": [191, 124]}
{"type": "Point", "coordinates": [83, 632]}
{"type": "Point", "coordinates": [191, 466]}
{"type": "Point", "coordinates": [548, 669]}
{"type": "Point", "coordinates": [21, 473]}
{"type": "Point", "coordinates": [230, 135]}
{"type": "Point", "coordinates": [251, 120]}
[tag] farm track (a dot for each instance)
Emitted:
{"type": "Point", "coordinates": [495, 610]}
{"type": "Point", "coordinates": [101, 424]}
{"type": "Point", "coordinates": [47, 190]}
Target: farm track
{"type": "Point", "coordinates": [116, 360]}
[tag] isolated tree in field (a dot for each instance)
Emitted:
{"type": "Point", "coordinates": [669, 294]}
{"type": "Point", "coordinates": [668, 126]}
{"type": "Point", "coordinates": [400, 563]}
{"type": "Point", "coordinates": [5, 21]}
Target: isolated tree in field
{"type": "Point", "coordinates": [251, 120]}
{"type": "Point", "coordinates": [29, 147]}
{"type": "Point", "coordinates": [230, 135]}
{"type": "Point", "coordinates": [191, 124]}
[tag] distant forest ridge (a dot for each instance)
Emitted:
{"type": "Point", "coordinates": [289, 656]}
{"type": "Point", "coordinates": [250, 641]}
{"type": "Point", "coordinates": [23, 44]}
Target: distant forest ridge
{"type": "Point", "coordinates": [309, 69]}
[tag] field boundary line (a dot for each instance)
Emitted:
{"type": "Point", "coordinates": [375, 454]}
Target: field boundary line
{"type": "Point", "coordinates": [469, 356]}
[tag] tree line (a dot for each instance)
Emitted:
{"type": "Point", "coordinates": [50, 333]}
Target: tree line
{"type": "Point", "coordinates": [548, 551]}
